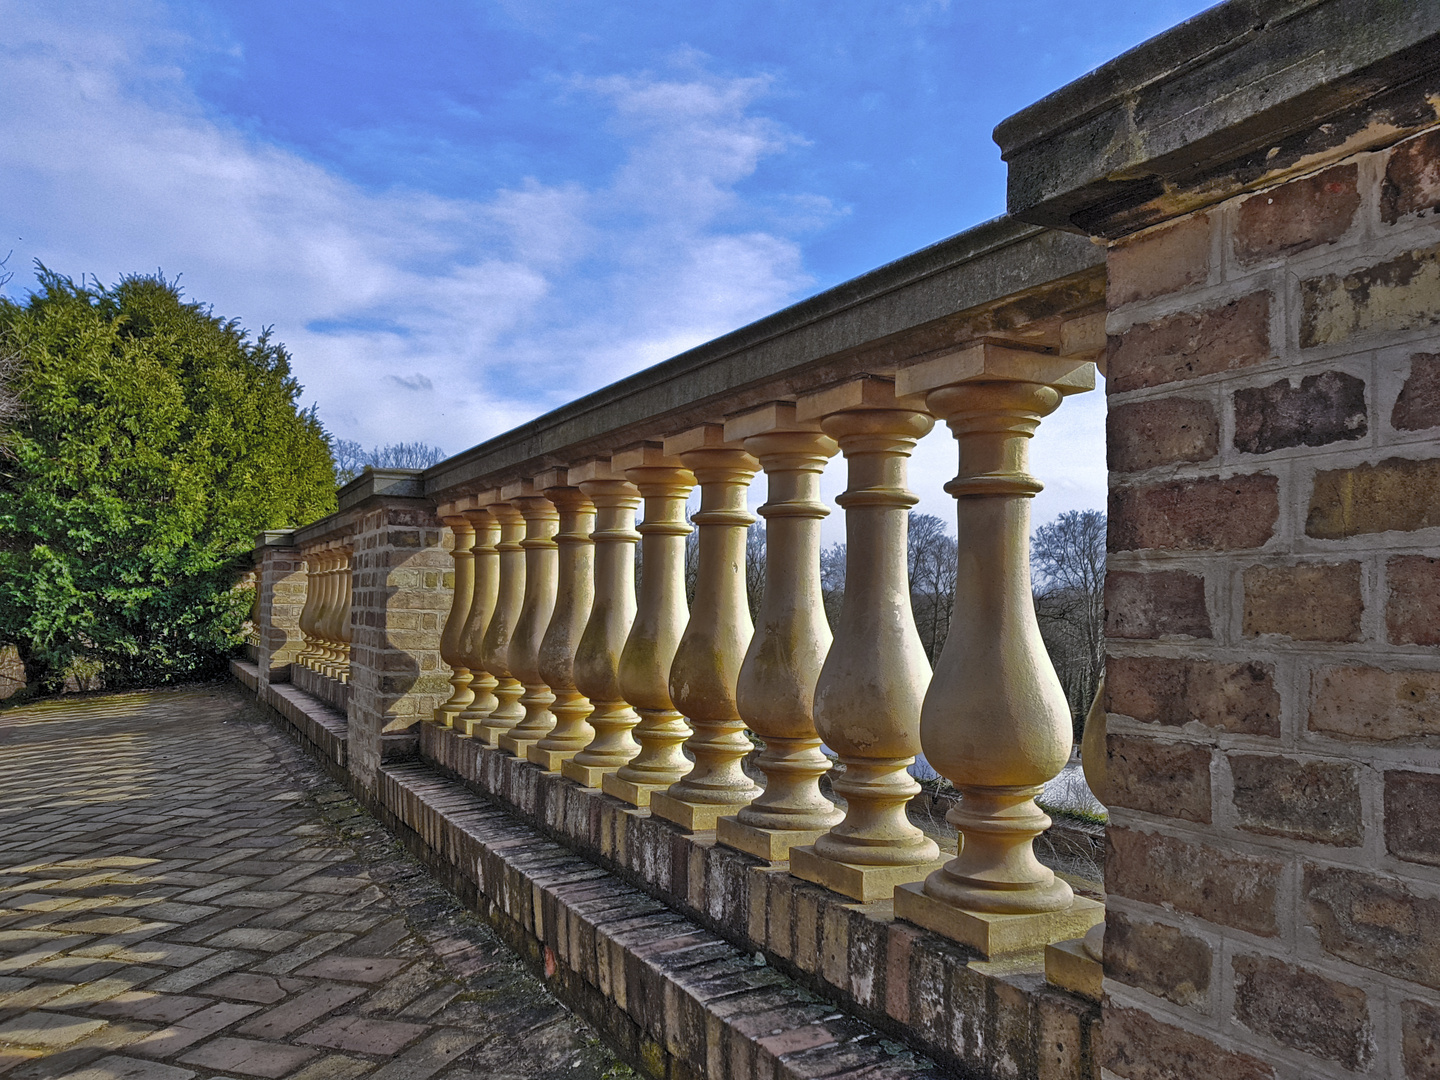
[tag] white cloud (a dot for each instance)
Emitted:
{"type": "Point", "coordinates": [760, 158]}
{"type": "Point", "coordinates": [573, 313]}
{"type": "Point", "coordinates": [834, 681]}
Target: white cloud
{"type": "Point", "coordinates": [410, 315]}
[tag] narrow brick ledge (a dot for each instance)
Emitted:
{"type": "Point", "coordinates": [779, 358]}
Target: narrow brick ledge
{"type": "Point", "coordinates": [715, 1012]}
{"type": "Point", "coordinates": [986, 1019]}
{"type": "Point", "coordinates": [322, 729]}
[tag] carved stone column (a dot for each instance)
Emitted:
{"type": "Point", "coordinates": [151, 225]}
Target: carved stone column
{"type": "Point", "coordinates": [995, 721]}
{"type": "Point", "coordinates": [776, 690]}
{"type": "Point", "coordinates": [509, 596]}
{"type": "Point", "coordinates": [311, 609]}
{"type": "Point", "coordinates": [707, 660]}
{"type": "Point", "coordinates": [541, 573]}
{"type": "Point", "coordinates": [486, 569]}
{"type": "Point", "coordinates": [664, 484]}
{"type": "Point", "coordinates": [597, 661]}
{"type": "Point", "coordinates": [867, 701]}
{"type": "Point", "coordinates": [574, 595]}
{"type": "Point", "coordinates": [343, 632]}
{"type": "Point", "coordinates": [463, 595]}
{"type": "Point", "coordinates": [329, 603]}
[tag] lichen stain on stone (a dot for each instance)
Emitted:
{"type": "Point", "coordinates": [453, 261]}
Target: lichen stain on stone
{"type": "Point", "coordinates": [1401, 294]}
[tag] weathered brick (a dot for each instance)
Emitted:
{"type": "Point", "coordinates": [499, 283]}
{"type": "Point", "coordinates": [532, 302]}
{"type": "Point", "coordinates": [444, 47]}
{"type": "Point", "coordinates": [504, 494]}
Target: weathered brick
{"type": "Point", "coordinates": [1218, 886]}
{"type": "Point", "coordinates": [1375, 922]}
{"type": "Point", "coordinates": [1402, 293]}
{"type": "Point", "coordinates": [1158, 959]}
{"type": "Point", "coordinates": [1417, 407]}
{"type": "Point", "coordinates": [1367, 703]}
{"type": "Point", "coordinates": [1298, 215]}
{"type": "Point", "coordinates": [1141, 605]}
{"type": "Point", "coordinates": [1307, 800]}
{"type": "Point", "coordinates": [1161, 690]}
{"type": "Point", "coordinates": [1412, 178]}
{"type": "Point", "coordinates": [1195, 515]}
{"type": "Point", "coordinates": [1160, 261]}
{"type": "Point", "coordinates": [1145, 434]}
{"type": "Point", "coordinates": [1139, 1047]}
{"type": "Point", "coordinates": [1308, 602]}
{"type": "Point", "coordinates": [1324, 408]}
{"type": "Point", "coordinates": [1172, 779]}
{"type": "Point", "coordinates": [1304, 1010]}
{"type": "Point", "coordinates": [1398, 494]}
{"type": "Point", "coordinates": [1420, 1040]}
{"type": "Point", "coordinates": [1412, 605]}
{"type": "Point", "coordinates": [1412, 816]}
{"type": "Point", "coordinates": [1188, 345]}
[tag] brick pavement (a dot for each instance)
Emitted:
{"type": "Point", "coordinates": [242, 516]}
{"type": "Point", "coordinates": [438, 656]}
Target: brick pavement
{"type": "Point", "coordinates": [183, 894]}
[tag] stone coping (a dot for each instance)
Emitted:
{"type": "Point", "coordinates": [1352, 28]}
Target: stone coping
{"type": "Point", "coordinates": [833, 335]}
{"type": "Point", "coordinates": [1234, 97]}
{"type": "Point", "coordinates": [905, 980]}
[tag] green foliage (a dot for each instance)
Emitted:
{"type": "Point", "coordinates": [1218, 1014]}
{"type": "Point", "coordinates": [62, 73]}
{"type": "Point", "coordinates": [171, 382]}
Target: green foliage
{"type": "Point", "coordinates": [155, 440]}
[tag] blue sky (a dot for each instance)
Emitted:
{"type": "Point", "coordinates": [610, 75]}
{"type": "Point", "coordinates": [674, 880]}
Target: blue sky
{"type": "Point", "coordinates": [460, 215]}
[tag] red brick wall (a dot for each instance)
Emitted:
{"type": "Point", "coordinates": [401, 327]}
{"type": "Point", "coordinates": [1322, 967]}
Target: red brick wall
{"type": "Point", "coordinates": [1273, 608]}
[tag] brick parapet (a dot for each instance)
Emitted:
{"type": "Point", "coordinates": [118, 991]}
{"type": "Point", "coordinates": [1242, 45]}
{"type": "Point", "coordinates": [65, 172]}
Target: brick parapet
{"type": "Point", "coordinates": [401, 595]}
{"type": "Point", "coordinates": [1275, 531]}
{"type": "Point", "coordinates": [280, 579]}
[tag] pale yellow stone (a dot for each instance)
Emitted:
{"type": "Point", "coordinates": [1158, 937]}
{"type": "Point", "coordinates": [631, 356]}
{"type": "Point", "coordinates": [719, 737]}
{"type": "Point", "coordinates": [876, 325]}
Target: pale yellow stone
{"type": "Point", "coordinates": [864, 882]}
{"type": "Point", "coordinates": [1069, 965]}
{"type": "Point", "coordinates": [451, 651]}
{"type": "Point", "coordinates": [994, 934]}
{"type": "Point", "coordinates": [495, 650]}
{"type": "Point", "coordinates": [542, 567]}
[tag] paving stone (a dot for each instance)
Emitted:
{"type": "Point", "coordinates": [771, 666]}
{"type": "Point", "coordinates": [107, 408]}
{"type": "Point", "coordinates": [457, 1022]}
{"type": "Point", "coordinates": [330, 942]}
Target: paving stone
{"type": "Point", "coordinates": [237, 916]}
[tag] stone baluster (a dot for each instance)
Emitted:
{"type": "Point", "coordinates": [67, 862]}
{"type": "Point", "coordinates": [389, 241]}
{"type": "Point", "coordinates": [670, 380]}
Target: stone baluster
{"type": "Point", "coordinates": [541, 579]}
{"type": "Point", "coordinates": [776, 689]}
{"type": "Point", "coordinates": [707, 660]}
{"type": "Point", "coordinates": [867, 700]}
{"type": "Point", "coordinates": [995, 721]}
{"type": "Point", "coordinates": [486, 571]}
{"type": "Point", "coordinates": [343, 630]}
{"type": "Point", "coordinates": [574, 595]}
{"type": "Point", "coordinates": [330, 602]}
{"type": "Point", "coordinates": [664, 484]}
{"type": "Point", "coordinates": [509, 596]}
{"type": "Point", "coordinates": [597, 661]}
{"type": "Point", "coordinates": [451, 645]}
{"type": "Point", "coordinates": [310, 610]}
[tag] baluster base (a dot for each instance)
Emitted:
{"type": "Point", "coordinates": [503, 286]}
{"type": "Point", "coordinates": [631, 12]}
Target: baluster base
{"type": "Point", "coordinates": [1069, 965]}
{"type": "Point", "coordinates": [629, 791]}
{"type": "Point", "coordinates": [692, 817]}
{"type": "Point", "coordinates": [590, 776]}
{"type": "Point", "coordinates": [552, 761]}
{"type": "Point", "coordinates": [864, 883]}
{"type": "Point", "coordinates": [772, 845]}
{"type": "Point", "coordinates": [990, 934]}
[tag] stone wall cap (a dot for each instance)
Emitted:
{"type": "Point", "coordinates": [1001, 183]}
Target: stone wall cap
{"type": "Point", "coordinates": [390, 483]}
{"type": "Point", "coordinates": [1233, 98]}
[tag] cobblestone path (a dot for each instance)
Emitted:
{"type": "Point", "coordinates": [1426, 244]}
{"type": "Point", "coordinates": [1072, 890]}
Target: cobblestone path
{"type": "Point", "coordinates": [183, 894]}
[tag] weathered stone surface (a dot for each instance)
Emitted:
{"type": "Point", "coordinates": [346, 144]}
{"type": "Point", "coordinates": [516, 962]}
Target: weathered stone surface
{"type": "Point", "coordinates": [1412, 603]}
{"type": "Point", "coordinates": [1139, 1047]}
{"type": "Point", "coordinates": [1402, 293]}
{"type": "Point", "coordinates": [1307, 800]}
{"type": "Point", "coordinates": [1158, 959]}
{"type": "Point", "coordinates": [1417, 407]}
{"type": "Point", "coordinates": [1368, 703]}
{"type": "Point", "coordinates": [1308, 602]}
{"type": "Point", "coordinates": [1218, 886]}
{"type": "Point", "coordinates": [1297, 216]}
{"type": "Point", "coordinates": [1212, 514]}
{"type": "Point", "coordinates": [1398, 494]}
{"type": "Point", "coordinates": [1325, 408]}
{"type": "Point", "coordinates": [1185, 346]}
{"type": "Point", "coordinates": [1171, 602]}
{"type": "Point", "coordinates": [1304, 1010]}
{"type": "Point", "coordinates": [1412, 178]}
{"type": "Point", "coordinates": [1162, 690]}
{"type": "Point", "coordinates": [1145, 434]}
{"type": "Point", "coordinates": [1171, 779]}
{"type": "Point", "coordinates": [1420, 1040]}
{"type": "Point", "coordinates": [1161, 261]}
{"type": "Point", "coordinates": [1412, 816]}
{"type": "Point", "coordinates": [1375, 922]}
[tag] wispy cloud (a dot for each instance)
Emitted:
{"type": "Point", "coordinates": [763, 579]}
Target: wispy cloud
{"type": "Point", "coordinates": [485, 311]}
